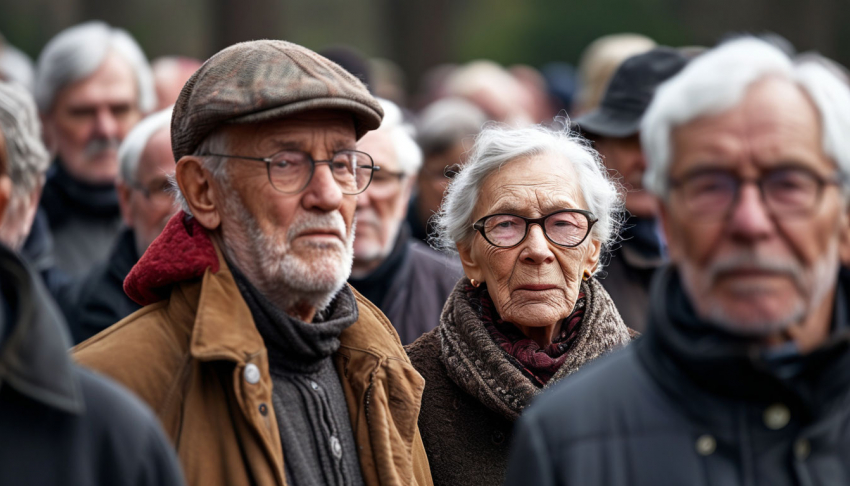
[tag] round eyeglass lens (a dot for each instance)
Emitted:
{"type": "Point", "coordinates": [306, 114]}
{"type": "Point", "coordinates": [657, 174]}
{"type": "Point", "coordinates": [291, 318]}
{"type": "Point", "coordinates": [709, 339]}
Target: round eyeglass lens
{"type": "Point", "coordinates": [566, 228]}
{"type": "Point", "coordinates": [289, 171]}
{"type": "Point", "coordinates": [504, 229]}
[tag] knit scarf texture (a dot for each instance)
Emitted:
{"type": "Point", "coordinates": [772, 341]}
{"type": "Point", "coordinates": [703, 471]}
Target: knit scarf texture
{"type": "Point", "coordinates": [536, 363]}
{"type": "Point", "coordinates": [504, 373]}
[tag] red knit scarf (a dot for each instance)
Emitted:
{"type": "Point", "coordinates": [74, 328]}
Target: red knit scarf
{"type": "Point", "coordinates": [538, 364]}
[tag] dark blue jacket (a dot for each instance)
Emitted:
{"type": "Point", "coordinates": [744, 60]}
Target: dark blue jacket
{"type": "Point", "coordinates": [690, 404]}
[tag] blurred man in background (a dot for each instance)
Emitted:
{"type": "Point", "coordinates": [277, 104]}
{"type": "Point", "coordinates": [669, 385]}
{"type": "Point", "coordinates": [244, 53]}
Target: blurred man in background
{"type": "Point", "coordinates": [15, 66]}
{"type": "Point", "coordinates": [92, 85]}
{"type": "Point", "coordinates": [743, 376]}
{"type": "Point", "coordinates": [59, 424]}
{"type": "Point", "coordinates": [614, 128]}
{"type": "Point", "coordinates": [405, 278]}
{"type": "Point", "coordinates": [147, 202]}
{"type": "Point", "coordinates": [598, 62]}
{"type": "Point", "coordinates": [445, 130]}
{"type": "Point", "coordinates": [170, 73]}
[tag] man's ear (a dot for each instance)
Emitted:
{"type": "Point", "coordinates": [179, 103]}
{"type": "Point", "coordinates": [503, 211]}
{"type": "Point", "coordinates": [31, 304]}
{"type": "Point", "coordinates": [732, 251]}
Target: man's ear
{"type": "Point", "coordinates": [124, 193]}
{"type": "Point", "coordinates": [198, 190]}
{"type": "Point", "coordinates": [406, 191]}
{"type": "Point", "coordinates": [5, 195]}
{"type": "Point", "coordinates": [470, 267]}
{"type": "Point", "coordinates": [664, 223]}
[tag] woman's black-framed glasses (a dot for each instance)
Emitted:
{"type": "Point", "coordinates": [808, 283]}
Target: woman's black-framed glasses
{"type": "Point", "coordinates": [568, 227]}
{"type": "Point", "coordinates": [291, 171]}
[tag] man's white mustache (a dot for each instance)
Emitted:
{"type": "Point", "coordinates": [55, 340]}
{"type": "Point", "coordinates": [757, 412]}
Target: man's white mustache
{"type": "Point", "coordinates": [751, 261]}
{"type": "Point", "coordinates": [99, 145]}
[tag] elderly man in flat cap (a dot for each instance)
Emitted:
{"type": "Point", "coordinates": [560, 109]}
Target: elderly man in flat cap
{"type": "Point", "coordinates": [263, 365]}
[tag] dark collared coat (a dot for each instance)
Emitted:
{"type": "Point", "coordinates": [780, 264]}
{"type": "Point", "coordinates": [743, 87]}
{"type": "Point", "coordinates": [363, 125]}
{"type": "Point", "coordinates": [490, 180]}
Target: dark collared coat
{"type": "Point", "coordinates": [60, 424]}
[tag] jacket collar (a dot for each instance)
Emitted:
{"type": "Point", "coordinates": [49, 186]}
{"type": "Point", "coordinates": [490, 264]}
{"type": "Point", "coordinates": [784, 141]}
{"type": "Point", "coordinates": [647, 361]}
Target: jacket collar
{"type": "Point", "coordinates": [34, 358]}
{"type": "Point", "coordinates": [682, 352]}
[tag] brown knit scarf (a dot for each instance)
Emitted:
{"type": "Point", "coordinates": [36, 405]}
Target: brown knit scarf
{"type": "Point", "coordinates": [479, 366]}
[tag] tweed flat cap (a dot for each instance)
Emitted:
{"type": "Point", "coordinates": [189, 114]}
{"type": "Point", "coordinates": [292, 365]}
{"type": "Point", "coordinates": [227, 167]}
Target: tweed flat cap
{"type": "Point", "coordinates": [265, 80]}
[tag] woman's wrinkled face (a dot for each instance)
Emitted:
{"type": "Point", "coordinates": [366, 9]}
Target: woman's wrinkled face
{"type": "Point", "coordinates": [535, 283]}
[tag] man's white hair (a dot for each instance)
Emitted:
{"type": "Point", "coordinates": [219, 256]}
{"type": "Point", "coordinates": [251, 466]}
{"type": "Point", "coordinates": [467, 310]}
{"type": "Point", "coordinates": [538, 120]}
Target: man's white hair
{"type": "Point", "coordinates": [77, 52]}
{"type": "Point", "coordinates": [402, 134]}
{"type": "Point", "coordinates": [498, 145]}
{"type": "Point", "coordinates": [135, 142]}
{"type": "Point", "coordinates": [718, 80]}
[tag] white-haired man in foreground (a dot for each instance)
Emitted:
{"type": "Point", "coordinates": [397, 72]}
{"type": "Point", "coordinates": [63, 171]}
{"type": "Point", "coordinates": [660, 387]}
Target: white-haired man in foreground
{"type": "Point", "coordinates": [92, 85]}
{"type": "Point", "coordinates": [744, 374]}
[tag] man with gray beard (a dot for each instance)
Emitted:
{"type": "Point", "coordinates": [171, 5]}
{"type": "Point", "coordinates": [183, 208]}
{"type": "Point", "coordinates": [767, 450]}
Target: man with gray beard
{"type": "Point", "coordinates": [743, 375]}
{"type": "Point", "coordinates": [263, 365]}
{"type": "Point", "coordinates": [92, 85]}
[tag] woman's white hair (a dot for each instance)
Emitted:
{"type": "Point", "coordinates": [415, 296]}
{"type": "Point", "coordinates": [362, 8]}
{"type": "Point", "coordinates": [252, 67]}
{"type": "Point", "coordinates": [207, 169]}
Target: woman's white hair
{"type": "Point", "coordinates": [497, 146]}
{"type": "Point", "coordinates": [135, 142]}
{"type": "Point", "coordinates": [718, 80]}
{"type": "Point", "coordinates": [78, 51]}
{"type": "Point", "coordinates": [402, 134]}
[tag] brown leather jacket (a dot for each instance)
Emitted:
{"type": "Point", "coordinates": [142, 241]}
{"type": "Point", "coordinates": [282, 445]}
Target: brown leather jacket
{"type": "Point", "coordinates": [186, 357]}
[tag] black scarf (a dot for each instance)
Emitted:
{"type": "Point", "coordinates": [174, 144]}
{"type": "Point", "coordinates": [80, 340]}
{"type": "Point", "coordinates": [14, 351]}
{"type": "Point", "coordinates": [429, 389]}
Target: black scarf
{"type": "Point", "coordinates": [64, 196]}
{"type": "Point", "coordinates": [292, 343]}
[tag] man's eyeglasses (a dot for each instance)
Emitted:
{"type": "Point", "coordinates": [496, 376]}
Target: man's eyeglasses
{"type": "Point", "coordinates": [568, 227]}
{"type": "Point", "coordinates": [157, 191]}
{"type": "Point", "coordinates": [291, 171]}
{"type": "Point", "coordinates": [789, 192]}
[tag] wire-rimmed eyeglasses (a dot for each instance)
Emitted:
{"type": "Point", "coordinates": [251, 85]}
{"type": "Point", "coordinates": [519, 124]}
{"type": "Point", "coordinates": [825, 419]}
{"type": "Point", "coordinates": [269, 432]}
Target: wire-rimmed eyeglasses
{"type": "Point", "coordinates": [291, 171]}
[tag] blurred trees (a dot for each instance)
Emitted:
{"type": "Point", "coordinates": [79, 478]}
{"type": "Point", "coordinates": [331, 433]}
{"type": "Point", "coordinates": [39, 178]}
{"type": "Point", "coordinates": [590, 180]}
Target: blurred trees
{"type": "Point", "coordinates": [418, 34]}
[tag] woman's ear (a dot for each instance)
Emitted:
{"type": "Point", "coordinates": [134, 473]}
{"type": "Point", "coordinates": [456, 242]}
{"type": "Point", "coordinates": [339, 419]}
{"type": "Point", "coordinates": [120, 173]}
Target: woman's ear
{"type": "Point", "coordinates": [591, 258]}
{"type": "Point", "coordinates": [198, 190]}
{"type": "Point", "coordinates": [470, 267]}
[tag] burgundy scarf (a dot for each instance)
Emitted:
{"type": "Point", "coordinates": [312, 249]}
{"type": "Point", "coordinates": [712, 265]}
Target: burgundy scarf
{"type": "Point", "coordinates": [537, 364]}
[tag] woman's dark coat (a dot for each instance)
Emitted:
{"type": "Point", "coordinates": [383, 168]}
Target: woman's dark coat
{"type": "Point", "coordinates": [473, 393]}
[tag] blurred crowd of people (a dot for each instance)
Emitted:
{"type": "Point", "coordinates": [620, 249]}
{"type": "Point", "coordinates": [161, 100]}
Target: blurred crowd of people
{"type": "Point", "coordinates": [422, 310]}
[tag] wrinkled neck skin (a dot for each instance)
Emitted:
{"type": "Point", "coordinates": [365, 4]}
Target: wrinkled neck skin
{"type": "Point", "coordinates": [293, 303]}
{"type": "Point", "coordinates": [542, 335]}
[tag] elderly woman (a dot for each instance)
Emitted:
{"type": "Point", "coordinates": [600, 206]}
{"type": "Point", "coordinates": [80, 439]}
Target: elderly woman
{"type": "Point", "coordinates": [530, 214]}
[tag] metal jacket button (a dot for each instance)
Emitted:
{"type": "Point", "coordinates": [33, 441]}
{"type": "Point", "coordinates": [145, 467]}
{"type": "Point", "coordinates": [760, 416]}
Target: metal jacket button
{"type": "Point", "coordinates": [776, 416]}
{"type": "Point", "coordinates": [802, 449]}
{"type": "Point", "coordinates": [706, 445]}
{"type": "Point", "coordinates": [336, 447]}
{"type": "Point", "coordinates": [252, 374]}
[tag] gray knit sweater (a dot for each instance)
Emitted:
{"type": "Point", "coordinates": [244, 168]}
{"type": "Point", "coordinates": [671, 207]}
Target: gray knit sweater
{"type": "Point", "coordinates": [309, 404]}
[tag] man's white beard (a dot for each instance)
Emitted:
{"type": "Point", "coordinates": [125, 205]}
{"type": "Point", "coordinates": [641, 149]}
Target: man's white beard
{"type": "Point", "coordinates": [284, 277]}
{"type": "Point", "coordinates": [814, 285]}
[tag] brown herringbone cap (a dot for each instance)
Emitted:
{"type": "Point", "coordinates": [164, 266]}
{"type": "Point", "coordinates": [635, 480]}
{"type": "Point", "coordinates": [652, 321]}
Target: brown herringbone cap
{"type": "Point", "coordinates": [265, 80]}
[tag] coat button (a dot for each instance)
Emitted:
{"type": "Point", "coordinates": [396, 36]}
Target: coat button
{"type": "Point", "coordinates": [706, 445]}
{"type": "Point", "coordinates": [802, 449]}
{"type": "Point", "coordinates": [264, 409]}
{"type": "Point", "coordinates": [498, 437]}
{"type": "Point", "coordinates": [776, 416]}
{"type": "Point", "coordinates": [314, 385]}
{"type": "Point", "coordinates": [252, 374]}
{"type": "Point", "coordinates": [336, 447]}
